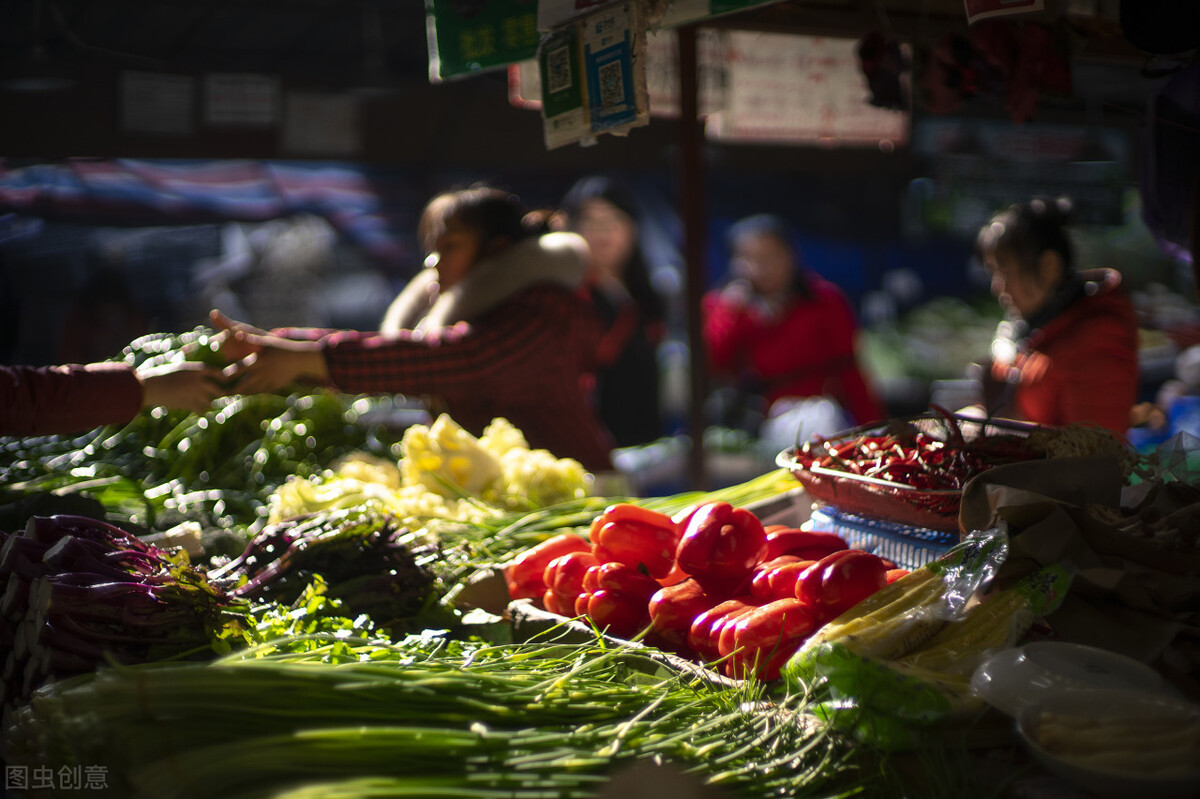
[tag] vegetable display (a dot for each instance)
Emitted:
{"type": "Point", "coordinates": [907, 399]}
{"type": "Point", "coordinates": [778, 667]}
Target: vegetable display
{"type": "Point", "coordinates": [80, 593]}
{"type": "Point", "coordinates": [908, 456]}
{"type": "Point", "coordinates": [365, 561]}
{"type": "Point", "coordinates": [900, 661]}
{"type": "Point", "coordinates": [425, 717]}
{"type": "Point", "coordinates": [358, 640]}
{"type": "Point", "coordinates": [699, 583]}
{"type": "Point", "coordinates": [910, 471]}
{"type": "Point", "coordinates": [217, 468]}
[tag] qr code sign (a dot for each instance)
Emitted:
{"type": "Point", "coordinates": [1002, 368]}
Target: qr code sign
{"type": "Point", "coordinates": [558, 69]}
{"type": "Point", "coordinates": [612, 84]}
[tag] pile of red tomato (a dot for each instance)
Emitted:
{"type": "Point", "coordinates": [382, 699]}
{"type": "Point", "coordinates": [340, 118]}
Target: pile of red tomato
{"type": "Point", "coordinates": [711, 583]}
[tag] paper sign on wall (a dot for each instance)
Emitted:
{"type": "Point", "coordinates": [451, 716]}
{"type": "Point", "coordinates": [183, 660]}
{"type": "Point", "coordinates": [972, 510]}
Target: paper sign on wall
{"type": "Point", "coordinates": [152, 102]}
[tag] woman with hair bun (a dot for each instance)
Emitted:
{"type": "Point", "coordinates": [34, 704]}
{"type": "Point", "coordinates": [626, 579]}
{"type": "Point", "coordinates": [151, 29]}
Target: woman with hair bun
{"type": "Point", "coordinates": [492, 326]}
{"type": "Point", "coordinates": [632, 314]}
{"type": "Point", "coordinates": [1067, 351]}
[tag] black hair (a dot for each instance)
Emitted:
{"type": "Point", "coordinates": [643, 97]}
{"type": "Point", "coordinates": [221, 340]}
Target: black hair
{"type": "Point", "coordinates": [1026, 230]}
{"type": "Point", "coordinates": [490, 212]}
{"type": "Point", "coordinates": [636, 274]}
{"type": "Point", "coordinates": [776, 227]}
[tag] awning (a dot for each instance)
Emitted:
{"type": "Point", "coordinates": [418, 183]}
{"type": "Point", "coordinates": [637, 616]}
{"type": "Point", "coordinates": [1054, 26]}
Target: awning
{"type": "Point", "coordinates": [355, 199]}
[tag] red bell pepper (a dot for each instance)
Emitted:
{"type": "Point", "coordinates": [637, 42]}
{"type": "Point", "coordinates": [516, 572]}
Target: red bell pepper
{"type": "Point", "coordinates": [895, 574]}
{"type": "Point", "coordinates": [766, 638]}
{"type": "Point", "coordinates": [636, 536]}
{"type": "Point", "coordinates": [616, 597]}
{"type": "Point", "coordinates": [806, 544]}
{"type": "Point", "coordinates": [721, 544]}
{"type": "Point", "coordinates": [841, 580]}
{"type": "Point", "coordinates": [776, 579]}
{"type": "Point", "coordinates": [706, 628]}
{"type": "Point", "coordinates": [673, 609]}
{"type": "Point", "coordinates": [526, 574]}
{"type": "Point", "coordinates": [564, 581]}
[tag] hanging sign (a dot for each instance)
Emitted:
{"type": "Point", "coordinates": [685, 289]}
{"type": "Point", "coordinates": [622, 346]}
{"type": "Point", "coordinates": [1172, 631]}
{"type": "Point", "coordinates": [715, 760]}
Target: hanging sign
{"type": "Point", "coordinates": [465, 38]}
{"type": "Point", "coordinates": [560, 67]}
{"type": "Point", "coordinates": [985, 9]}
{"type": "Point", "coordinates": [593, 76]}
{"type": "Point", "coordinates": [792, 88]}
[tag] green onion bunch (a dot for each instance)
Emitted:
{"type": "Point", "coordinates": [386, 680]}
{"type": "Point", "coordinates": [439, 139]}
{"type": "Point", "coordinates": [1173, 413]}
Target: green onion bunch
{"type": "Point", "coordinates": [424, 717]}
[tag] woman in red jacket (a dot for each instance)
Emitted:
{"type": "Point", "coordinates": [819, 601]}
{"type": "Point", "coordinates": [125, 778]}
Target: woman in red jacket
{"type": "Point", "coordinates": [1068, 351]}
{"type": "Point", "coordinates": [781, 330]}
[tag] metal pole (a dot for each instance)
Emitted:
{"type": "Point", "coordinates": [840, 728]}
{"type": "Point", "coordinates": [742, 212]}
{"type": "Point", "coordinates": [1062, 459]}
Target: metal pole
{"type": "Point", "coordinates": [693, 202]}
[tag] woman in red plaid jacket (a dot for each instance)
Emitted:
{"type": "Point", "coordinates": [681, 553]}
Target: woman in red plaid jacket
{"type": "Point", "coordinates": [492, 326]}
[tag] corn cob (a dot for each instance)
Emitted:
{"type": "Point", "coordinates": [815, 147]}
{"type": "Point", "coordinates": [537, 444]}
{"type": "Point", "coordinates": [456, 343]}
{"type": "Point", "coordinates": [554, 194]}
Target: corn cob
{"type": "Point", "coordinates": [998, 621]}
{"type": "Point", "coordinates": [890, 622]}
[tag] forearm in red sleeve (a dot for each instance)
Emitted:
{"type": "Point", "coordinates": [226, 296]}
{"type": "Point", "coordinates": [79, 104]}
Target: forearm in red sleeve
{"type": "Point", "coordinates": [499, 354]}
{"type": "Point", "coordinates": [66, 399]}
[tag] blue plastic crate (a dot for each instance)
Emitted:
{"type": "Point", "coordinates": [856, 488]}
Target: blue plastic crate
{"type": "Point", "coordinates": [907, 547]}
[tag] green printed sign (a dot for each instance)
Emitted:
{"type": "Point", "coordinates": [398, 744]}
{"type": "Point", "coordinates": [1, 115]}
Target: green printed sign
{"type": "Point", "coordinates": [471, 36]}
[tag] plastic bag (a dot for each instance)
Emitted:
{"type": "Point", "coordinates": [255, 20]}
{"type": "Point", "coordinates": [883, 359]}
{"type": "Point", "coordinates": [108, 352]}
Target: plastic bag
{"type": "Point", "coordinates": [905, 667]}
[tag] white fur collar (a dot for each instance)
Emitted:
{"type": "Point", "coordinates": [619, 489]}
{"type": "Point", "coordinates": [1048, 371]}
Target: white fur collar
{"type": "Point", "coordinates": [556, 258]}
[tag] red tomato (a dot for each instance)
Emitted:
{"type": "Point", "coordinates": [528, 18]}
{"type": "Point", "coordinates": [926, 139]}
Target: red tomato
{"type": "Point", "coordinates": [765, 638]}
{"type": "Point", "coordinates": [552, 602]}
{"type": "Point", "coordinates": [721, 543]}
{"type": "Point", "coordinates": [895, 574]}
{"type": "Point", "coordinates": [672, 611]}
{"type": "Point", "coordinates": [525, 575]}
{"type": "Point", "coordinates": [807, 544]}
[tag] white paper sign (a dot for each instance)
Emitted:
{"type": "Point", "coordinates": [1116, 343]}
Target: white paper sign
{"type": "Point", "coordinates": [153, 102]}
{"type": "Point", "coordinates": [790, 88]}
{"type": "Point", "coordinates": [241, 100]}
{"type": "Point", "coordinates": [321, 124]}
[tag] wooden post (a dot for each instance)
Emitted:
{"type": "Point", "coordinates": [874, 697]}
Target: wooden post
{"type": "Point", "coordinates": [693, 209]}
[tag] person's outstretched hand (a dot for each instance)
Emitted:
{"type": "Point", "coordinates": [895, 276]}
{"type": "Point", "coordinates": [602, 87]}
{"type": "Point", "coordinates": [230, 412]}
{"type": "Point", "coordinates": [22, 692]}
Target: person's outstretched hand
{"type": "Point", "coordinates": [234, 339]}
{"type": "Point", "coordinates": [187, 385]}
{"type": "Point", "coordinates": [261, 362]}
